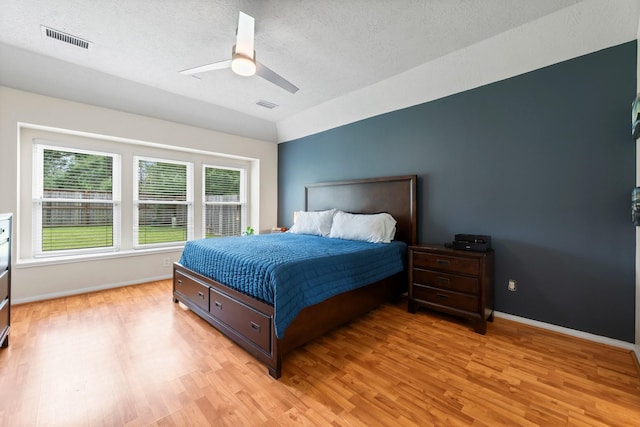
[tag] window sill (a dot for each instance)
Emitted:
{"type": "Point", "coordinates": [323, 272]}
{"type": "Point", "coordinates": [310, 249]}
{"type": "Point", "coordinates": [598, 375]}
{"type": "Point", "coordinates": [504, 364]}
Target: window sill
{"type": "Point", "coordinates": [39, 262]}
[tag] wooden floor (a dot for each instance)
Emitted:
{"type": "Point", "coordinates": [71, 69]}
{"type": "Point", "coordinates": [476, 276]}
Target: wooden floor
{"type": "Point", "coordinates": [130, 356]}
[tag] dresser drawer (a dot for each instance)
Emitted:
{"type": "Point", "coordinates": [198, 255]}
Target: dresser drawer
{"type": "Point", "coordinates": [4, 230]}
{"type": "Point", "coordinates": [4, 315]}
{"type": "Point", "coordinates": [436, 279]}
{"type": "Point", "coordinates": [446, 298]}
{"type": "Point", "coordinates": [248, 322]}
{"type": "Point", "coordinates": [4, 284]}
{"type": "Point", "coordinates": [194, 291]}
{"type": "Point", "coordinates": [446, 263]}
{"type": "Point", "coordinates": [4, 255]}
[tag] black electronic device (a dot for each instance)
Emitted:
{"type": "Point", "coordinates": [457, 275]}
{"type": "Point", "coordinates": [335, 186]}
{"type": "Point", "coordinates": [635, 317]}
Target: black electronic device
{"type": "Point", "coordinates": [472, 242]}
{"type": "Point", "coordinates": [635, 206]}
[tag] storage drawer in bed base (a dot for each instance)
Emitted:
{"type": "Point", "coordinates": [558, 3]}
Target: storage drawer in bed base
{"type": "Point", "coordinates": [233, 313]}
{"type": "Point", "coordinates": [192, 290]}
{"type": "Point", "coordinates": [248, 322]}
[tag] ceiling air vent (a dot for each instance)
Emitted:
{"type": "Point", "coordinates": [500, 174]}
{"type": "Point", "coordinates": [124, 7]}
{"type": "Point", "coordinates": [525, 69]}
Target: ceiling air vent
{"type": "Point", "coordinates": [266, 104]}
{"type": "Point", "coordinates": [64, 37]}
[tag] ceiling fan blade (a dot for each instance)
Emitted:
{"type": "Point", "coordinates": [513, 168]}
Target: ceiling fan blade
{"type": "Point", "coordinates": [209, 67]}
{"type": "Point", "coordinates": [244, 38]}
{"type": "Point", "coordinates": [275, 78]}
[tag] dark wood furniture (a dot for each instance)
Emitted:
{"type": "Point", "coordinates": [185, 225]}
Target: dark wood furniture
{"type": "Point", "coordinates": [452, 281]}
{"type": "Point", "coordinates": [249, 322]}
{"type": "Point", "coordinates": [5, 278]}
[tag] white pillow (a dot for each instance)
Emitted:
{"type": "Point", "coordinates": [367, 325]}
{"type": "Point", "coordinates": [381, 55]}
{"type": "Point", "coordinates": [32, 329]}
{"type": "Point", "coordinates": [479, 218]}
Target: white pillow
{"type": "Point", "coordinates": [374, 228]}
{"type": "Point", "coordinates": [316, 223]}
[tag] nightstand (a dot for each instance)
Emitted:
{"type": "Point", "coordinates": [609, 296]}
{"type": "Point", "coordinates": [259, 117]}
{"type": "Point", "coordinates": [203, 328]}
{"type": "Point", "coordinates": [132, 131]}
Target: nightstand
{"type": "Point", "coordinates": [452, 281]}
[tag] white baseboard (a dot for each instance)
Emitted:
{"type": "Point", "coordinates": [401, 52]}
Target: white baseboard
{"type": "Point", "coordinates": [637, 351]}
{"type": "Point", "coordinates": [572, 332]}
{"type": "Point", "coordinates": [87, 290]}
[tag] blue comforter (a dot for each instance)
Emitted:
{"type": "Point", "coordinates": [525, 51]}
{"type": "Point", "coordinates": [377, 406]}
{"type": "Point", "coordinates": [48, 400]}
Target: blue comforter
{"type": "Point", "coordinates": [292, 271]}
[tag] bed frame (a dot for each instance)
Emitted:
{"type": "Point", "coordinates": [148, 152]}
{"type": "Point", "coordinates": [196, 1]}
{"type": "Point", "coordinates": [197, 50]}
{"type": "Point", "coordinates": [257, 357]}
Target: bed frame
{"type": "Point", "coordinates": [249, 322]}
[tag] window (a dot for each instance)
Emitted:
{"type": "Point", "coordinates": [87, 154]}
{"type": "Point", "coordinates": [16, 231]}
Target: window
{"type": "Point", "coordinates": [76, 201]}
{"type": "Point", "coordinates": [92, 197]}
{"type": "Point", "coordinates": [164, 199]}
{"type": "Point", "coordinates": [224, 201]}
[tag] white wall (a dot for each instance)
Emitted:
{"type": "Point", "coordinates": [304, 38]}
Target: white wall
{"type": "Point", "coordinates": [33, 281]}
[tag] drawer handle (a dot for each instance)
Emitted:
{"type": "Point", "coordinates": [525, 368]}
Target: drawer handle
{"type": "Point", "coordinates": [179, 282]}
{"type": "Point", "coordinates": [218, 305]}
{"type": "Point", "coordinates": [201, 295]}
{"type": "Point", "coordinates": [443, 262]}
{"type": "Point", "coordinates": [442, 296]}
{"type": "Point", "coordinates": [443, 280]}
{"type": "Point", "coordinates": [255, 326]}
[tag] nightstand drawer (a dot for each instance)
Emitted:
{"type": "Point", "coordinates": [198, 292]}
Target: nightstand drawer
{"type": "Point", "coordinates": [445, 298]}
{"type": "Point", "coordinates": [436, 279]}
{"type": "Point", "coordinates": [453, 264]}
{"type": "Point", "coordinates": [192, 290]}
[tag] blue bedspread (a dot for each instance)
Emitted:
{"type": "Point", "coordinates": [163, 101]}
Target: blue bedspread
{"type": "Point", "coordinates": [292, 271]}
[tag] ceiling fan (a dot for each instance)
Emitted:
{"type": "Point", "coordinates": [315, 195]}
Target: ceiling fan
{"type": "Point", "coordinates": [243, 58]}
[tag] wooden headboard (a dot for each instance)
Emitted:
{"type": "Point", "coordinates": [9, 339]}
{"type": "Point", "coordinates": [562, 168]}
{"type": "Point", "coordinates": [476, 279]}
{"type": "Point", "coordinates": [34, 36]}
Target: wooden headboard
{"type": "Point", "coordinates": [395, 195]}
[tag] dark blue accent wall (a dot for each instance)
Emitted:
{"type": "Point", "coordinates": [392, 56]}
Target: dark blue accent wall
{"type": "Point", "coordinates": [543, 162]}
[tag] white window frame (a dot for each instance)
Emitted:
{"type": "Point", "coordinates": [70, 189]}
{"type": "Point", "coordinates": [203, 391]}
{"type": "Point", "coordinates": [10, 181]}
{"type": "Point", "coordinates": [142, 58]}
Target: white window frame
{"type": "Point", "coordinates": [243, 196]}
{"type": "Point", "coordinates": [137, 202]}
{"type": "Point", "coordinates": [38, 199]}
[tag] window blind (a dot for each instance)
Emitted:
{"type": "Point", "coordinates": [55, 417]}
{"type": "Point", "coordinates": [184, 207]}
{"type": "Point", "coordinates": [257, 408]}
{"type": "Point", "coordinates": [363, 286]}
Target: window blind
{"type": "Point", "coordinates": [224, 201]}
{"type": "Point", "coordinates": [75, 206]}
{"type": "Point", "coordinates": [163, 201]}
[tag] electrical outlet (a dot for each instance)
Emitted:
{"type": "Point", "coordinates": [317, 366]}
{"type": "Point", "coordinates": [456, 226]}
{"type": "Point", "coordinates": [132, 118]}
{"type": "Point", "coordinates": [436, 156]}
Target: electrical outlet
{"type": "Point", "coordinates": [166, 262]}
{"type": "Point", "coordinates": [513, 285]}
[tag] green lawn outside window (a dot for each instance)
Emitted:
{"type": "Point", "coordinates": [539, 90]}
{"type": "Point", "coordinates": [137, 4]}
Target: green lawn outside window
{"type": "Point", "coordinates": [83, 237]}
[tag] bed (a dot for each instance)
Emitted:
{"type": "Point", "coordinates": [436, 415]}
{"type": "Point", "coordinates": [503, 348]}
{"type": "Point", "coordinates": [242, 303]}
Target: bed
{"type": "Point", "coordinates": [251, 322]}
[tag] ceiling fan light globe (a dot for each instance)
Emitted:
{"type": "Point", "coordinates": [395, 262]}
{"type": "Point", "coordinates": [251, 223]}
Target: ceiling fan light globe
{"type": "Point", "coordinates": [243, 66]}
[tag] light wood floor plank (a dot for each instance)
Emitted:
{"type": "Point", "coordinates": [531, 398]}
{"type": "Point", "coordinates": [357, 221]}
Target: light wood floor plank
{"type": "Point", "coordinates": [132, 357]}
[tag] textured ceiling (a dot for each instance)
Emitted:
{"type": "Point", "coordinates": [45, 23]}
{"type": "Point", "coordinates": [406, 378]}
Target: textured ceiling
{"type": "Point", "coordinates": [327, 48]}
